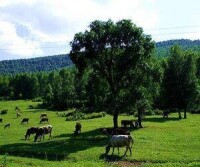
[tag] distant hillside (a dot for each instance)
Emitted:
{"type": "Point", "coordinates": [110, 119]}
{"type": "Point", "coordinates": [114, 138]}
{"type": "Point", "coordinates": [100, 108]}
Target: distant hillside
{"type": "Point", "coordinates": [162, 48]}
{"type": "Point", "coordinates": [56, 62]}
{"type": "Point", "coordinates": [48, 63]}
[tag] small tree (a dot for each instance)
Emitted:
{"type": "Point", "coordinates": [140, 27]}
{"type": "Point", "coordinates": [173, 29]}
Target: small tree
{"type": "Point", "coordinates": [114, 52]}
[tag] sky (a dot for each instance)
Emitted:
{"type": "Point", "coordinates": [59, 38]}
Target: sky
{"type": "Point", "coordinates": [35, 28]}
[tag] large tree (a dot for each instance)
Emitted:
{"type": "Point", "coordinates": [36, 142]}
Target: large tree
{"type": "Point", "coordinates": [114, 52]}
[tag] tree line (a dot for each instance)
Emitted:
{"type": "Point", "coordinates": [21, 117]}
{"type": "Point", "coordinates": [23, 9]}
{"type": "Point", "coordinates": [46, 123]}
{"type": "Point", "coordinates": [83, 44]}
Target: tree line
{"type": "Point", "coordinates": [48, 63]}
{"type": "Point", "coordinates": [115, 71]}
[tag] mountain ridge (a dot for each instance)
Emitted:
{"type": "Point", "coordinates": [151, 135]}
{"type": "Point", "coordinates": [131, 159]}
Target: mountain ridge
{"type": "Point", "coordinates": [56, 62]}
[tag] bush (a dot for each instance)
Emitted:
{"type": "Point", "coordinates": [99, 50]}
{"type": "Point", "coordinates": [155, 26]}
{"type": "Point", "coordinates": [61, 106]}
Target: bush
{"type": "Point", "coordinates": [77, 115]}
{"type": "Point", "coordinates": [149, 112]}
{"type": "Point", "coordinates": [38, 99]}
{"type": "Point", "coordinates": [158, 112]}
{"type": "Point", "coordinates": [94, 115]}
{"type": "Point", "coordinates": [4, 111]}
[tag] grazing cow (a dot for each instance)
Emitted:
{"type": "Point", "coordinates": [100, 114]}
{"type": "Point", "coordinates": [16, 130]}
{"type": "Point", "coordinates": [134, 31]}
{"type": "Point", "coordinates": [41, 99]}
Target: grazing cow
{"type": "Point", "coordinates": [7, 125]}
{"type": "Point", "coordinates": [30, 131]}
{"type": "Point", "coordinates": [44, 120]}
{"type": "Point", "coordinates": [1, 120]}
{"type": "Point", "coordinates": [120, 141]}
{"type": "Point", "coordinates": [24, 120]}
{"type": "Point", "coordinates": [125, 123]}
{"type": "Point", "coordinates": [165, 114]}
{"type": "Point", "coordinates": [42, 131]}
{"type": "Point", "coordinates": [18, 114]}
{"type": "Point", "coordinates": [17, 109]}
{"type": "Point", "coordinates": [77, 128]}
{"type": "Point", "coordinates": [44, 115]}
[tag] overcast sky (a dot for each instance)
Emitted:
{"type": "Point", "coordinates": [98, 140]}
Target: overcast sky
{"type": "Point", "coordinates": [33, 28]}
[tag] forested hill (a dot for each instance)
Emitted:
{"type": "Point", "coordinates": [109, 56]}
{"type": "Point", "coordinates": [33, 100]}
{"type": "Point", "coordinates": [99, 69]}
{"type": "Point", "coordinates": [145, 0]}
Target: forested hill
{"type": "Point", "coordinates": [56, 62]}
{"type": "Point", "coordinates": [47, 63]}
{"type": "Point", "coordinates": [162, 48]}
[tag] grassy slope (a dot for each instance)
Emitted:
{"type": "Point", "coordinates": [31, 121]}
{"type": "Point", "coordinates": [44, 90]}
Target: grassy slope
{"type": "Point", "coordinates": [161, 142]}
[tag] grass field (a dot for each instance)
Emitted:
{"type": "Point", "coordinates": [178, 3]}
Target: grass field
{"type": "Point", "coordinates": [162, 142]}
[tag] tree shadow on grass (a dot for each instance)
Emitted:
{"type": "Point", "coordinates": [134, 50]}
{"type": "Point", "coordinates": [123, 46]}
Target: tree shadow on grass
{"type": "Point", "coordinates": [160, 120]}
{"type": "Point", "coordinates": [57, 148]}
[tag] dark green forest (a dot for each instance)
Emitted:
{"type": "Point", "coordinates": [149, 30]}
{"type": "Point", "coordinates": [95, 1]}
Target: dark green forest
{"type": "Point", "coordinates": [122, 78]}
{"type": "Point", "coordinates": [48, 63]}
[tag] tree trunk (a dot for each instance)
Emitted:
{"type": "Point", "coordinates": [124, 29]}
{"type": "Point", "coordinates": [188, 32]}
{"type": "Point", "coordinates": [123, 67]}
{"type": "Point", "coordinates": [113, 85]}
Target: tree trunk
{"type": "Point", "coordinates": [140, 119]}
{"type": "Point", "coordinates": [185, 114]}
{"type": "Point", "coordinates": [179, 113]}
{"type": "Point", "coordinates": [115, 118]}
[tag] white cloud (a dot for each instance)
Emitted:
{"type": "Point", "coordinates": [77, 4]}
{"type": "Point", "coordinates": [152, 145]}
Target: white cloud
{"type": "Point", "coordinates": [43, 22]}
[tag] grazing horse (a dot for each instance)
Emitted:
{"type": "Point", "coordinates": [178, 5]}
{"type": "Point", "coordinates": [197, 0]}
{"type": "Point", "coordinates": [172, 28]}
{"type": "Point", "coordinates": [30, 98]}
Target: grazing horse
{"type": "Point", "coordinates": [30, 131]}
{"type": "Point", "coordinates": [43, 131]}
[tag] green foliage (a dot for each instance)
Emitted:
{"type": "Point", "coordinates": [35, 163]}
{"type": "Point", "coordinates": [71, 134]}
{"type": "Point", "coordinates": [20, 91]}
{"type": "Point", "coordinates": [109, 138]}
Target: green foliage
{"type": "Point", "coordinates": [37, 99]}
{"type": "Point", "coordinates": [180, 84]}
{"type": "Point", "coordinates": [163, 47]}
{"type": "Point", "coordinates": [77, 115]}
{"type": "Point", "coordinates": [158, 112]}
{"type": "Point", "coordinates": [4, 160]}
{"type": "Point", "coordinates": [48, 63]}
{"type": "Point", "coordinates": [116, 53]}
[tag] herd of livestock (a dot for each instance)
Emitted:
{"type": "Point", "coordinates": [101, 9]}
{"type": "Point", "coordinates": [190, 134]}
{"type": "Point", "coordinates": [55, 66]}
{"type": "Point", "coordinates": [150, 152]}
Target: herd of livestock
{"type": "Point", "coordinates": [120, 137]}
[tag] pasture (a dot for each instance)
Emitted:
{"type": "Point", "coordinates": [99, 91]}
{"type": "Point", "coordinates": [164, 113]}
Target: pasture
{"type": "Point", "coordinates": [162, 142]}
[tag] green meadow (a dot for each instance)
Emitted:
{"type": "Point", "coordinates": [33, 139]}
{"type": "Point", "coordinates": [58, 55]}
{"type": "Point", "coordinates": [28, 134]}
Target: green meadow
{"type": "Point", "coordinates": [162, 142]}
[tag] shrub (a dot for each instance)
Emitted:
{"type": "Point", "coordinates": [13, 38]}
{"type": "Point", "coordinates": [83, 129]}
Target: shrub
{"type": "Point", "coordinates": [38, 99]}
{"type": "Point", "coordinates": [158, 112]}
{"type": "Point", "coordinates": [149, 112]}
{"type": "Point", "coordinates": [77, 115]}
{"type": "Point", "coordinates": [94, 115]}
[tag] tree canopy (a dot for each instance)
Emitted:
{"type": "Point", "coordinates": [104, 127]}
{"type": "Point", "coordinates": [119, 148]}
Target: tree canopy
{"type": "Point", "coordinates": [115, 52]}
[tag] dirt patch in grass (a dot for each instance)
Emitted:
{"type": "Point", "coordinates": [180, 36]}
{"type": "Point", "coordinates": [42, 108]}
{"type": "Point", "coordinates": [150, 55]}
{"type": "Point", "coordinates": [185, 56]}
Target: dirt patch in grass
{"type": "Point", "coordinates": [127, 163]}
